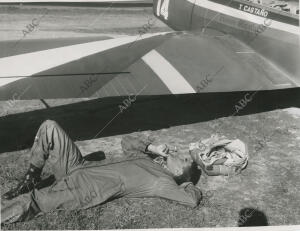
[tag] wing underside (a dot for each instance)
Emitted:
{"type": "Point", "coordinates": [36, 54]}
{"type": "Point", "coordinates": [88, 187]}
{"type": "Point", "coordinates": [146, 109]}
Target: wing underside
{"type": "Point", "coordinates": [198, 64]}
{"type": "Point", "coordinates": [153, 65]}
{"type": "Point", "coordinates": [69, 68]}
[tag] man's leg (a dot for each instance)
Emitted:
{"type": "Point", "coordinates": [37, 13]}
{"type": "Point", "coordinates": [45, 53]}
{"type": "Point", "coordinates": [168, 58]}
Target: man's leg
{"type": "Point", "coordinates": [54, 145]}
{"type": "Point", "coordinates": [27, 206]}
{"type": "Point", "coordinates": [81, 189]}
{"type": "Point", "coordinates": [51, 144]}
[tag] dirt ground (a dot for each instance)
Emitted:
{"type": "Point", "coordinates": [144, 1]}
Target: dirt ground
{"type": "Point", "coordinates": [269, 185]}
{"type": "Point", "coordinates": [57, 22]}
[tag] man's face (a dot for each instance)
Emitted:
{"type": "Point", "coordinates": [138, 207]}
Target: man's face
{"type": "Point", "coordinates": [178, 161]}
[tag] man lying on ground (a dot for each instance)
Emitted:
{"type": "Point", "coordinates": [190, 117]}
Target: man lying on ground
{"type": "Point", "coordinates": [81, 184]}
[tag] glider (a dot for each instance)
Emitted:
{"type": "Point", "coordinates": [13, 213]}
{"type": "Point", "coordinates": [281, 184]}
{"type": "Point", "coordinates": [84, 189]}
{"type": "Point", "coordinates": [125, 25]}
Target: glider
{"type": "Point", "coordinates": [226, 46]}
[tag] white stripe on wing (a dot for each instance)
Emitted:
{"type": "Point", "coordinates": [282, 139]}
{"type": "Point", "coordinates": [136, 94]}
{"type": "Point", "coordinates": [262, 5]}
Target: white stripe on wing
{"type": "Point", "coordinates": [174, 81]}
{"type": "Point", "coordinates": [28, 64]}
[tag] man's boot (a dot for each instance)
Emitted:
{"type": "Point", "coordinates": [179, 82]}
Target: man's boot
{"type": "Point", "coordinates": [31, 179]}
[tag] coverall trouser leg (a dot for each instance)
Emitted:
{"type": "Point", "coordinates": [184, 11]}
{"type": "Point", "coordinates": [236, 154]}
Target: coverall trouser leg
{"type": "Point", "coordinates": [51, 144]}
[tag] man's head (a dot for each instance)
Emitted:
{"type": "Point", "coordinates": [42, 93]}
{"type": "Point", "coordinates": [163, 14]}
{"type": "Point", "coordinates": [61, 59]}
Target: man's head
{"type": "Point", "coordinates": [181, 166]}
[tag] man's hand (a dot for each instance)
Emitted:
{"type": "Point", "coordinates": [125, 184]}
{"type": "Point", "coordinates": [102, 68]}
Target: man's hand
{"type": "Point", "coordinates": [161, 150]}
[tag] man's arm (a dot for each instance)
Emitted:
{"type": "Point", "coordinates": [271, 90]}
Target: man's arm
{"type": "Point", "coordinates": [133, 146]}
{"type": "Point", "coordinates": [186, 194]}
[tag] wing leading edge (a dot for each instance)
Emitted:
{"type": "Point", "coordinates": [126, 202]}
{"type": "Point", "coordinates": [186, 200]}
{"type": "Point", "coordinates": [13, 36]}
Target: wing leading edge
{"type": "Point", "coordinates": [70, 71]}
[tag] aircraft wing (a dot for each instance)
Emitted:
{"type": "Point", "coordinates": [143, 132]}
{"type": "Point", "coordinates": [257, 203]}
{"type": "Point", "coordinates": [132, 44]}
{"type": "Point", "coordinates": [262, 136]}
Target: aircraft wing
{"type": "Point", "coordinates": [189, 63]}
{"type": "Point", "coordinates": [67, 68]}
{"type": "Point", "coordinates": [155, 65]}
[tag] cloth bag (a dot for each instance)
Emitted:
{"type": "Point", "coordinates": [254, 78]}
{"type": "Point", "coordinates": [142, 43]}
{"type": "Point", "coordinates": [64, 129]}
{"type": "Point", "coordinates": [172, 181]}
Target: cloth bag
{"type": "Point", "coordinates": [208, 151]}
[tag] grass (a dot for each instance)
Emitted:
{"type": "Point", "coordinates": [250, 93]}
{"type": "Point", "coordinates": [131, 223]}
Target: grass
{"type": "Point", "coordinates": [269, 183]}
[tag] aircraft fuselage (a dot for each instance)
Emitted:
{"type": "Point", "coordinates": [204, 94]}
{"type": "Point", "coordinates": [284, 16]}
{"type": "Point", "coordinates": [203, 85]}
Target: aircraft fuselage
{"type": "Point", "coordinates": [270, 32]}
